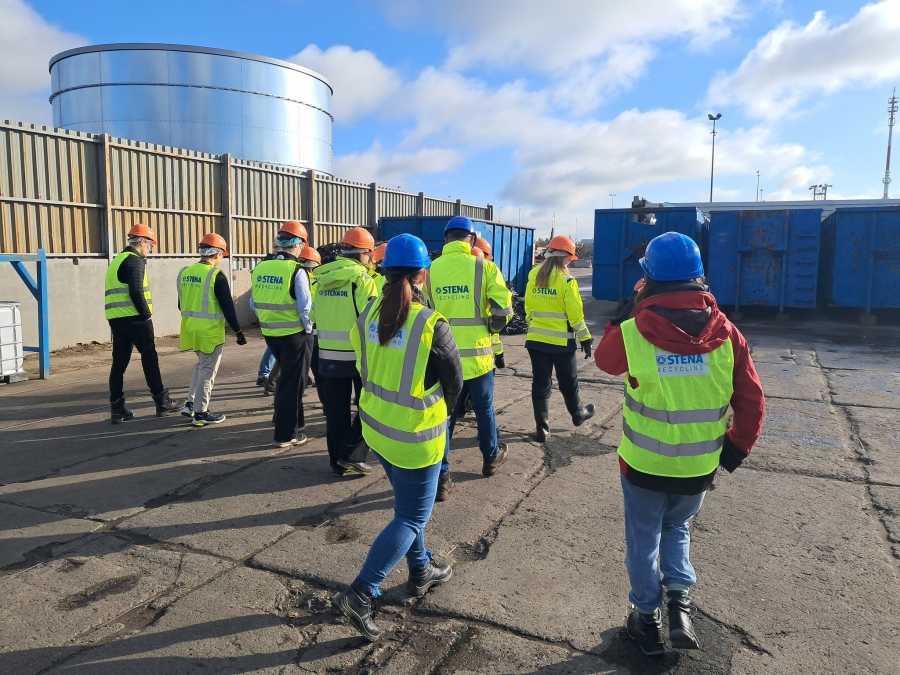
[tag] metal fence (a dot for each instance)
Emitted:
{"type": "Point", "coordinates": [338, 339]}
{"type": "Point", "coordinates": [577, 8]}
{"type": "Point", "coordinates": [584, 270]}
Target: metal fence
{"type": "Point", "coordinates": [76, 195]}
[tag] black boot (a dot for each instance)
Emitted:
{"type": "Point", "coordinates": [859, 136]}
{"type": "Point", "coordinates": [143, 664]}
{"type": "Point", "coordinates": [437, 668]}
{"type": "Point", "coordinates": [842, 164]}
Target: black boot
{"type": "Point", "coordinates": [445, 485]}
{"type": "Point", "coordinates": [166, 405]}
{"type": "Point", "coordinates": [119, 412]}
{"type": "Point", "coordinates": [359, 607]}
{"type": "Point", "coordinates": [580, 413]}
{"type": "Point", "coordinates": [681, 629]}
{"type": "Point", "coordinates": [541, 419]}
{"type": "Point", "coordinates": [423, 578]}
{"type": "Point", "coordinates": [646, 630]}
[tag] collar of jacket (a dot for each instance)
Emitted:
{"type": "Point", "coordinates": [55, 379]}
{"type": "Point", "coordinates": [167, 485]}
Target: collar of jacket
{"type": "Point", "coordinates": [662, 320]}
{"type": "Point", "coordinates": [457, 247]}
{"type": "Point", "coordinates": [285, 256]}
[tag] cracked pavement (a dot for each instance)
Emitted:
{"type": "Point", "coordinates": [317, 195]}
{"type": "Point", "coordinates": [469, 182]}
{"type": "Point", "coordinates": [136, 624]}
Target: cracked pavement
{"type": "Point", "coordinates": [155, 547]}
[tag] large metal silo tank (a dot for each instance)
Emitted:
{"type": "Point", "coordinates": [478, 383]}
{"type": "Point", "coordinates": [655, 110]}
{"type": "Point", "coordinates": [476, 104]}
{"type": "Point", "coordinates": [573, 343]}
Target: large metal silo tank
{"type": "Point", "coordinates": [211, 100]}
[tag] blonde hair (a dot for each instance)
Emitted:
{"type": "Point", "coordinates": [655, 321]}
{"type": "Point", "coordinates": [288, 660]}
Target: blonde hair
{"type": "Point", "coordinates": [547, 267]}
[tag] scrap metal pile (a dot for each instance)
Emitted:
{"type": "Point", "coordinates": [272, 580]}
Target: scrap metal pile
{"type": "Point", "coordinates": [517, 324]}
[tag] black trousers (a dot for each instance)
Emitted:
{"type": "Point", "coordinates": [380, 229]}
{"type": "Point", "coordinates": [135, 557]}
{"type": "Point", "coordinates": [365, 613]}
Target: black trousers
{"type": "Point", "coordinates": [542, 366]}
{"type": "Point", "coordinates": [127, 334]}
{"type": "Point", "coordinates": [293, 353]}
{"type": "Point", "coordinates": [343, 429]}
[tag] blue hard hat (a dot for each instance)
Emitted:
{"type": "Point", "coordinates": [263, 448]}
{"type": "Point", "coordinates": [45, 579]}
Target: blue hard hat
{"type": "Point", "coordinates": [672, 256]}
{"type": "Point", "coordinates": [406, 250]}
{"type": "Point", "coordinates": [460, 223]}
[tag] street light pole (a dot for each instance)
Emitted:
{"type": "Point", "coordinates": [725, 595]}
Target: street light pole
{"type": "Point", "coordinates": [712, 169]}
{"type": "Point", "coordinates": [612, 200]}
{"type": "Point", "coordinates": [757, 186]}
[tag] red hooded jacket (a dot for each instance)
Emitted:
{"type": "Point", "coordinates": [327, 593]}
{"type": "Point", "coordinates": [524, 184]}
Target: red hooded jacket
{"type": "Point", "coordinates": [689, 322]}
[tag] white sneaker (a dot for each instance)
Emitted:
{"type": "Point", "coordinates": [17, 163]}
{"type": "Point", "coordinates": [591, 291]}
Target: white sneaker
{"type": "Point", "coordinates": [188, 409]}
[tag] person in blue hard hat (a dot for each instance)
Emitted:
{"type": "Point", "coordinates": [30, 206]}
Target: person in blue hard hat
{"type": "Point", "coordinates": [685, 365]}
{"type": "Point", "coordinates": [411, 374]}
{"type": "Point", "coordinates": [472, 294]}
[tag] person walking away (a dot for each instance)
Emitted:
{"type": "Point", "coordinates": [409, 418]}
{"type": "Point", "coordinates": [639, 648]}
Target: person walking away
{"type": "Point", "coordinates": [129, 309]}
{"type": "Point", "coordinates": [556, 331]}
{"type": "Point", "coordinates": [685, 365]}
{"type": "Point", "coordinates": [280, 295]}
{"type": "Point", "coordinates": [204, 298]}
{"type": "Point", "coordinates": [310, 259]}
{"type": "Point", "coordinates": [267, 362]}
{"type": "Point", "coordinates": [377, 258]}
{"type": "Point", "coordinates": [411, 372]}
{"type": "Point", "coordinates": [471, 293]}
{"type": "Point", "coordinates": [343, 289]}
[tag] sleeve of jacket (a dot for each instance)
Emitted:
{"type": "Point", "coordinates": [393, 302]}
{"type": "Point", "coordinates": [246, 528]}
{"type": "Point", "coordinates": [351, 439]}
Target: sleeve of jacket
{"type": "Point", "coordinates": [445, 357]}
{"type": "Point", "coordinates": [610, 353]}
{"type": "Point", "coordinates": [498, 296]}
{"type": "Point", "coordinates": [575, 311]}
{"type": "Point", "coordinates": [226, 302]}
{"type": "Point", "coordinates": [748, 404]}
{"type": "Point", "coordinates": [365, 291]}
{"type": "Point", "coordinates": [131, 272]}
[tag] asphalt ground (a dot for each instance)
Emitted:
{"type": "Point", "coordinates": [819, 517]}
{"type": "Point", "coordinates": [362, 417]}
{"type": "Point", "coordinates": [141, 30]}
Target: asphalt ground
{"type": "Point", "coordinates": [156, 547]}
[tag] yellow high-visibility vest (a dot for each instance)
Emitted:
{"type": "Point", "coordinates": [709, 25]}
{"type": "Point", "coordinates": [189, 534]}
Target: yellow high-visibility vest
{"type": "Point", "coordinates": [276, 309]}
{"type": "Point", "coordinates": [343, 289]}
{"type": "Point", "coordinates": [461, 287]}
{"type": "Point", "coordinates": [118, 301]}
{"type": "Point", "coordinates": [401, 420]}
{"type": "Point", "coordinates": [555, 313]}
{"type": "Point", "coordinates": [202, 320]}
{"type": "Point", "coordinates": [674, 421]}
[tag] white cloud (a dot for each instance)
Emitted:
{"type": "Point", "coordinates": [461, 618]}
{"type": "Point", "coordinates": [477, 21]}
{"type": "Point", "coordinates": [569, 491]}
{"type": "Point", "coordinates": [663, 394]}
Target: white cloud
{"type": "Point", "coordinates": [362, 83]}
{"type": "Point", "coordinates": [27, 42]}
{"type": "Point", "coordinates": [793, 62]}
{"type": "Point", "coordinates": [592, 49]}
{"type": "Point", "coordinates": [395, 169]}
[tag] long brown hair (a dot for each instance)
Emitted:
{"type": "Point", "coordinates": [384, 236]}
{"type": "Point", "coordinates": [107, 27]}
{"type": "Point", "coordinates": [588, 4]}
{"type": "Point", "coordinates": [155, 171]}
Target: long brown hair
{"type": "Point", "coordinates": [395, 304]}
{"type": "Point", "coordinates": [556, 262]}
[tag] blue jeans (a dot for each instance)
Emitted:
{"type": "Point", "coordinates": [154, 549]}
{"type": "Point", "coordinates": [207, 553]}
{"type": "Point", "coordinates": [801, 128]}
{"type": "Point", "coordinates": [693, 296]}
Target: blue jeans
{"type": "Point", "coordinates": [414, 493]}
{"type": "Point", "coordinates": [266, 363]}
{"type": "Point", "coordinates": [656, 525]}
{"type": "Point", "coordinates": [481, 389]}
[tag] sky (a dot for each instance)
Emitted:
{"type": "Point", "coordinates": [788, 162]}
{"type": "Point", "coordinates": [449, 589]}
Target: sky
{"type": "Point", "coordinates": [542, 109]}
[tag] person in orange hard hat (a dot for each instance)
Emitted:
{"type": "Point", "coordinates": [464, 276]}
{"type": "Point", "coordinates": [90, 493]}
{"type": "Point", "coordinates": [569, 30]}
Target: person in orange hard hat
{"type": "Point", "coordinates": [128, 306]}
{"type": "Point", "coordinates": [343, 289]}
{"type": "Point", "coordinates": [483, 244]}
{"type": "Point", "coordinates": [281, 297]}
{"type": "Point", "coordinates": [556, 330]}
{"type": "Point", "coordinates": [204, 298]}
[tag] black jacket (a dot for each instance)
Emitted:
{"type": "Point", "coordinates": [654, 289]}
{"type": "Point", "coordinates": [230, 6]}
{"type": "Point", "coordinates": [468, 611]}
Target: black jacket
{"type": "Point", "coordinates": [131, 272]}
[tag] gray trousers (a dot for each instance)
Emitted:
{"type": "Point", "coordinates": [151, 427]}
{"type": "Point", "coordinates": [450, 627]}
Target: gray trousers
{"type": "Point", "coordinates": [203, 379]}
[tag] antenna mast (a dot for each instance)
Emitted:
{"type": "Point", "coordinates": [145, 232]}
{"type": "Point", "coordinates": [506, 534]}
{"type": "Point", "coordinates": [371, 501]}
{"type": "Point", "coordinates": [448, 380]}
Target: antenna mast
{"type": "Point", "coordinates": [892, 110]}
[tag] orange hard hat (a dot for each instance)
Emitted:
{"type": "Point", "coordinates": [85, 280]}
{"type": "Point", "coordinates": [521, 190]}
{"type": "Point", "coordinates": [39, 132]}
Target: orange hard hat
{"type": "Point", "coordinates": [562, 243]}
{"type": "Point", "coordinates": [213, 239]}
{"type": "Point", "coordinates": [357, 237]}
{"type": "Point", "coordinates": [482, 243]}
{"type": "Point", "coordinates": [141, 230]}
{"type": "Point", "coordinates": [477, 252]}
{"type": "Point", "coordinates": [378, 253]}
{"type": "Point", "coordinates": [294, 227]}
{"type": "Point", "coordinates": [309, 253]}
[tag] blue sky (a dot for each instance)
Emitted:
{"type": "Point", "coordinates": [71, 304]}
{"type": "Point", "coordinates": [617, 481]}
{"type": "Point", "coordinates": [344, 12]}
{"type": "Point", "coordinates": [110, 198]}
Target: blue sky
{"type": "Point", "coordinates": [539, 106]}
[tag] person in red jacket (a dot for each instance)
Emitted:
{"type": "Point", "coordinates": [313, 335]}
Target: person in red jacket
{"type": "Point", "coordinates": [685, 365]}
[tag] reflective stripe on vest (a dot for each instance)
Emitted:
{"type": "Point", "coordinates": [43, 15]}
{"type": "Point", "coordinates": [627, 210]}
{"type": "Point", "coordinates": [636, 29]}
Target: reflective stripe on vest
{"type": "Point", "coordinates": [455, 288]}
{"type": "Point", "coordinates": [548, 317]}
{"type": "Point", "coordinates": [402, 421]}
{"type": "Point", "coordinates": [202, 319]}
{"type": "Point", "coordinates": [118, 303]}
{"type": "Point", "coordinates": [675, 419]}
{"type": "Point", "coordinates": [276, 309]}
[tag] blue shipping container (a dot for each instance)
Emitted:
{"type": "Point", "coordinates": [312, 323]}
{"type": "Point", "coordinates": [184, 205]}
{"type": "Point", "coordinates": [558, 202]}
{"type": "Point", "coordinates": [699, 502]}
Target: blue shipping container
{"type": "Point", "coordinates": [512, 246]}
{"type": "Point", "coordinates": [768, 258]}
{"type": "Point", "coordinates": [621, 237]}
{"type": "Point", "coordinates": [861, 257]}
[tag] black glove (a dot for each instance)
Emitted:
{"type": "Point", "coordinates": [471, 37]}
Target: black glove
{"type": "Point", "coordinates": [731, 456]}
{"type": "Point", "coordinates": [241, 340]}
{"type": "Point", "coordinates": [499, 360]}
{"type": "Point", "coordinates": [586, 347]}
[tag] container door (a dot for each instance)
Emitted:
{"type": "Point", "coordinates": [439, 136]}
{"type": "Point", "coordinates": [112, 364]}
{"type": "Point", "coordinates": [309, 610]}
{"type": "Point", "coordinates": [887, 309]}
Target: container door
{"type": "Point", "coordinates": [867, 258]}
